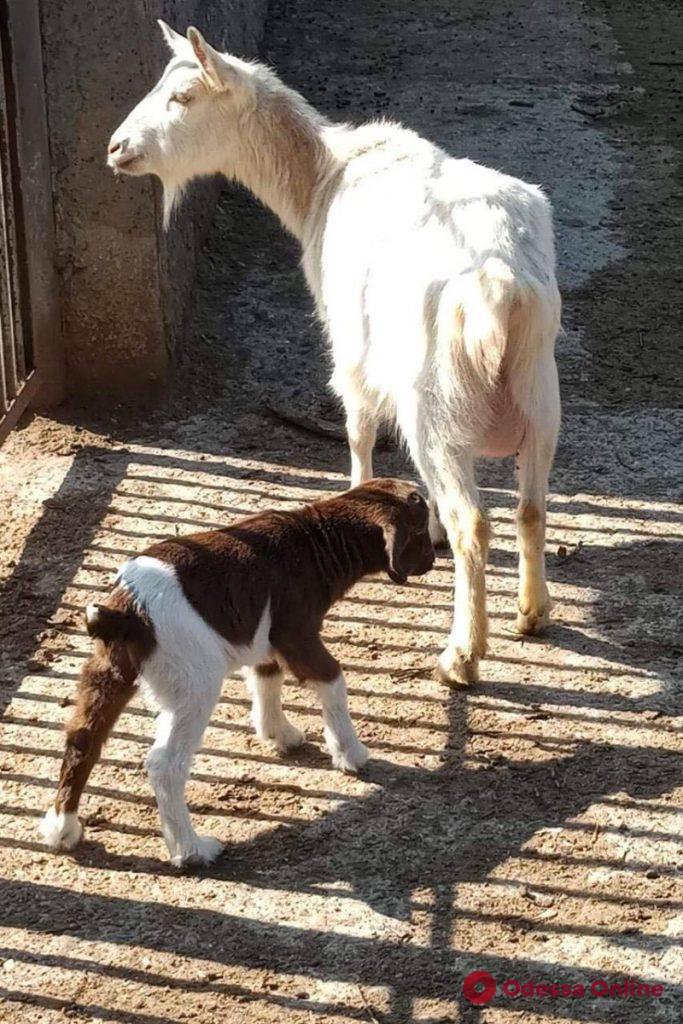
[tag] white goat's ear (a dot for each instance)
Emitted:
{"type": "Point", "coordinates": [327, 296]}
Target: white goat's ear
{"type": "Point", "coordinates": [211, 61]}
{"type": "Point", "coordinates": [175, 41]}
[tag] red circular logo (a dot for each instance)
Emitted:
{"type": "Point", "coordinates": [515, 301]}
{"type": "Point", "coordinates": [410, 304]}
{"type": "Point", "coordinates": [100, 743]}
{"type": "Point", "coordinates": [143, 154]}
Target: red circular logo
{"type": "Point", "coordinates": [479, 987]}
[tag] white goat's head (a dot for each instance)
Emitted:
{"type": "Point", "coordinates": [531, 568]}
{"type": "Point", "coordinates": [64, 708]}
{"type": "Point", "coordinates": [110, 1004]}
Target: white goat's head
{"type": "Point", "coordinates": [186, 125]}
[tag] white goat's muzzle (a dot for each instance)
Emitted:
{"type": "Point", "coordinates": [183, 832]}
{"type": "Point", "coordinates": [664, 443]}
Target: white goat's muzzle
{"type": "Point", "coordinates": [122, 157]}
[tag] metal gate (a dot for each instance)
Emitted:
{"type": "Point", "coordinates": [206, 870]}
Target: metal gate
{"type": "Point", "coordinates": [30, 355]}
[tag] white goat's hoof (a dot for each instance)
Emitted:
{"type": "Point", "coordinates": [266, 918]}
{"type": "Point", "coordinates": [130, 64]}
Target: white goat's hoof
{"type": "Point", "coordinates": [455, 667]}
{"type": "Point", "coordinates": [61, 830]}
{"type": "Point", "coordinates": [350, 760]}
{"type": "Point", "coordinates": [204, 850]}
{"type": "Point", "coordinates": [532, 622]}
{"type": "Point", "coordinates": [288, 738]}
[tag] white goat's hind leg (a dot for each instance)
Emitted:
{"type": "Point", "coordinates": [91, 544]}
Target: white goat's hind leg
{"type": "Point", "coordinates": [347, 752]}
{"type": "Point", "coordinates": [534, 461]}
{"type": "Point", "coordinates": [468, 532]}
{"type": "Point", "coordinates": [179, 733]}
{"type": "Point", "coordinates": [264, 682]}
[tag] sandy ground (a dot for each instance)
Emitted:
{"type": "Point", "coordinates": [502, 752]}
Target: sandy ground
{"type": "Point", "coordinates": [529, 826]}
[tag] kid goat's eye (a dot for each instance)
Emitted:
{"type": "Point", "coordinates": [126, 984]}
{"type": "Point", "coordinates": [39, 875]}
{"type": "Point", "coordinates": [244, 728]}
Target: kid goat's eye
{"type": "Point", "coordinates": [180, 97]}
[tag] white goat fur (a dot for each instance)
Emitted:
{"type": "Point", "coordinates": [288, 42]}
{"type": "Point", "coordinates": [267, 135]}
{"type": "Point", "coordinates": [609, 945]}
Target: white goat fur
{"type": "Point", "coordinates": [433, 277]}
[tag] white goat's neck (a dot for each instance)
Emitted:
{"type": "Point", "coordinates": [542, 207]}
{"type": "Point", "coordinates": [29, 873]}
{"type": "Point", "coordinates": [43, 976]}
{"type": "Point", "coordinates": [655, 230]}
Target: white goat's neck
{"type": "Point", "coordinates": [281, 156]}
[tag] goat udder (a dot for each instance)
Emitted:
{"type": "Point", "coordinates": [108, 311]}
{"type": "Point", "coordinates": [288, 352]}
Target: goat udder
{"type": "Point", "coordinates": [507, 425]}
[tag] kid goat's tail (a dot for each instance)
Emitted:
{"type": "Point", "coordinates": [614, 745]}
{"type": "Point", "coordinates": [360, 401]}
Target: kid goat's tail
{"type": "Point", "coordinates": [124, 639]}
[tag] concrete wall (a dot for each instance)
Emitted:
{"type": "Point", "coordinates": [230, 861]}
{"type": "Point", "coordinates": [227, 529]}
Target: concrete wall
{"type": "Point", "coordinates": [126, 289]}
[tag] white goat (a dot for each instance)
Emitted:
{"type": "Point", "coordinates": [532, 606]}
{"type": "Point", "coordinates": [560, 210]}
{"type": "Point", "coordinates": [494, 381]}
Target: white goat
{"type": "Point", "coordinates": [434, 279]}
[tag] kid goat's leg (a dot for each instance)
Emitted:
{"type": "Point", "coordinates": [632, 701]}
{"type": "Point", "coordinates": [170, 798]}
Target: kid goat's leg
{"type": "Point", "coordinates": [106, 685]}
{"type": "Point", "coordinates": [341, 739]}
{"type": "Point", "coordinates": [311, 662]}
{"type": "Point", "coordinates": [264, 682]}
{"type": "Point", "coordinates": [468, 533]}
{"type": "Point", "coordinates": [179, 733]}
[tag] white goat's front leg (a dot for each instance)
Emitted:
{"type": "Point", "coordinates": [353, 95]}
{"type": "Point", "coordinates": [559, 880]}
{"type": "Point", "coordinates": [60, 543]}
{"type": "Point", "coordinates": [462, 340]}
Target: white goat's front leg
{"type": "Point", "coordinates": [346, 750]}
{"type": "Point", "coordinates": [468, 533]}
{"type": "Point", "coordinates": [437, 531]}
{"type": "Point", "coordinates": [534, 461]}
{"type": "Point", "coordinates": [264, 682]}
{"type": "Point", "coordinates": [361, 429]}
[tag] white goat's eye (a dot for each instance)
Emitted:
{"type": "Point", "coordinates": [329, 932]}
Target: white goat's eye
{"type": "Point", "coordinates": [180, 97]}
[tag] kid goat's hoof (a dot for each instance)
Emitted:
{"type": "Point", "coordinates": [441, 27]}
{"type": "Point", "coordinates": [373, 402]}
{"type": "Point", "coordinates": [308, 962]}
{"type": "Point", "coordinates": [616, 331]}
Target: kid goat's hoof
{"type": "Point", "coordinates": [61, 830]}
{"type": "Point", "coordinates": [205, 850]}
{"type": "Point", "coordinates": [455, 667]}
{"type": "Point", "coordinates": [350, 760]}
{"type": "Point", "coordinates": [289, 738]}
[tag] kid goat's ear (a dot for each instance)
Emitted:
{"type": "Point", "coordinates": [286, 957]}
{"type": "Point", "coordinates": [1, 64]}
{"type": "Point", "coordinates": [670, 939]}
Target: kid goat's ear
{"type": "Point", "coordinates": [395, 540]}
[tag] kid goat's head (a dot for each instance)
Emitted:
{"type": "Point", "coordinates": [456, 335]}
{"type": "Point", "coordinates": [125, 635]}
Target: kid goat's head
{"type": "Point", "coordinates": [186, 125]}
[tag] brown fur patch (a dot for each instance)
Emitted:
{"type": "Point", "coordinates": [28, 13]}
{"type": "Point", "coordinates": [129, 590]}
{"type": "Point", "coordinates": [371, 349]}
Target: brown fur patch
{"type": "Point", "coordinates": [474, 535]}
{"type": "Point", "coordinates": [268, 669]}
{"type": "Point", "coordinates": [529, 514]}
{"type": "Point", "coordinates": [481, 530]}
{"type": "Point", "coordinates": [107, 682]}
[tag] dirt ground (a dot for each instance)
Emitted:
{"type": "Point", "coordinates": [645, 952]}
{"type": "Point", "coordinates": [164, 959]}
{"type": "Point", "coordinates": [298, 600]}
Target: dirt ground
{"type": "Point", "coordinates": [530, 825]}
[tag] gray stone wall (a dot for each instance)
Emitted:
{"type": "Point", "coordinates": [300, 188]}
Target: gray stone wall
{"type": "Point", "coordinates": [126, 288]}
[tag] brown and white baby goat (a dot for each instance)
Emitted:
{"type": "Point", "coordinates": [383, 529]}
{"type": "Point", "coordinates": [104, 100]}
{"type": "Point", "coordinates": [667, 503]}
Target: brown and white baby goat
{"type": "Point", "coordinates": [191, 610]}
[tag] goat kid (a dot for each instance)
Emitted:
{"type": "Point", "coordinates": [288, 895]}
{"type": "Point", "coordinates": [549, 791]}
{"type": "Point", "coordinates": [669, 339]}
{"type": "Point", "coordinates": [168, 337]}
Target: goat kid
{"type": "Point", "coordinates": [191, 610]}
{"type": "Point", "coordinates": [433, 277]}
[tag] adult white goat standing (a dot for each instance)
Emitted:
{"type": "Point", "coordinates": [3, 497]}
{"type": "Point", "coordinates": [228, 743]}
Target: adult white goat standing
{"type": "Point", "coordinates": [434, 279]}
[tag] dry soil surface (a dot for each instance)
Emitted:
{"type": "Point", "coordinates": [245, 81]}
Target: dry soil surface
{"type": "Point", "coordinates": [530, 825]}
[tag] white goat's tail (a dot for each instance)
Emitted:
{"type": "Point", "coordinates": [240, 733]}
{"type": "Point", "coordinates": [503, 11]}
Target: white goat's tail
{"type": "Point", "coordinates": [489, 321]}
{"type": "Point", "coordinates": [483, 307]}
